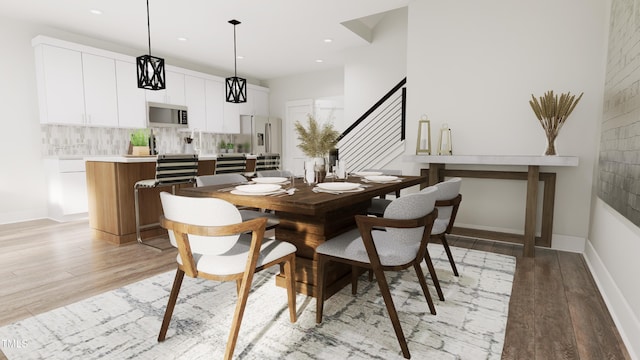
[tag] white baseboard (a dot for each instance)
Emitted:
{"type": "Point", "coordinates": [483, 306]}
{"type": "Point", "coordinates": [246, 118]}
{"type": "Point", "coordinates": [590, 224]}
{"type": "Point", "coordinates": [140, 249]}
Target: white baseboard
{"type": "Point", "coordinates": [568, 243]}
{"type": "Point", "coordinates": [623, 316]}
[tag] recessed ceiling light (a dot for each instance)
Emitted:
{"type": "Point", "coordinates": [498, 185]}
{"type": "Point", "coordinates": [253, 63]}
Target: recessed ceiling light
{"type": "Point", "coordinates": [319, 60]}
{"type": "Point", "coordinates": [95, 12]}
{"type": "Point", "coordinates": [328, 40]}
{"type": "Point", "coordinates": [182, 38]}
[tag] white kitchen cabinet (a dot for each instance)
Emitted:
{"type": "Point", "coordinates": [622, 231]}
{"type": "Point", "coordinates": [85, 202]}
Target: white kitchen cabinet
{"type": "Point", "coordinates": [260, 102]}
{"type": "Point", "coordinates": [75, 88]}
{"type": "Point", "coordinates": [60, 85]}
{"type": "Point", "coordinates": [173, 92]}
{"type": "Point", "coordinates": [67, 186]}
{"type": "Point", "coordinates": [231, 120]}
{"type": "Point", "coordinates": [100, 99]}
{"type": "Point", "coordinates": [196, 101]}
{"type": "Point", "coordinates": [214, 91]}
{"type": "Point", "coordinates": [132, 110]}
{"type": "Point", "coordinates": [257, 102]}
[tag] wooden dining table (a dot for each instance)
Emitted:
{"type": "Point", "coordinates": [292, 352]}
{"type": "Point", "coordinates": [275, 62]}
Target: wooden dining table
{"type": "Point", "coordinates": [308, 218]}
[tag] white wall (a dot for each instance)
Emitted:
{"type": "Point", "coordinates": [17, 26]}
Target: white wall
{"type": "Point", "coordinates": [22, 185]}
{"type": "Point", "coordinates": [474, 65]}
{"type": "Point", "coordinates": [321, 84]}
{"type": "Point", "coordinates": [614, 241]}
{"type": "Point", "coordinates": [371, 71]}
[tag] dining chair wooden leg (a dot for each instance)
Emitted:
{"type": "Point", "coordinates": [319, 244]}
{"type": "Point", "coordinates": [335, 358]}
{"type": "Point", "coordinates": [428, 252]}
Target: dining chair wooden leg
{"type": "Point", "coordinates": [425, 289]}
{"type": "Point", "coordinates": [391, 309]}
{"type": "Point", "coordinates": [434, 276]}
{"type": "Point", "coordinates": [290, 274]}
{"type": "Point", "coordinates": [245, 288]}
{"type": "Point", "coordinates": [173, 297]}
{"type": "Point", "coordinates": [319, 288]}
{"type": "Point", "coordinates": [238, 285]}
{"type": "Point", "coordinates": [354, 279]}
{"type": "Point", "coordinates": [443, 239]}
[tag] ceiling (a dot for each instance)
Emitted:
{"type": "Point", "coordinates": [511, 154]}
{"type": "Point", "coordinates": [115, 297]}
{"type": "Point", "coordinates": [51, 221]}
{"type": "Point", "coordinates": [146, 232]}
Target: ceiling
{"type": "Point", "coordinates": [276, 38]}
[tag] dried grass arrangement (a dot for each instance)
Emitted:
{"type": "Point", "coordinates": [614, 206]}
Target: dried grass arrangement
{"type": "Point", "coordinates": [316, 140]}
{"type": "Point", "coordinates": [552, 112]}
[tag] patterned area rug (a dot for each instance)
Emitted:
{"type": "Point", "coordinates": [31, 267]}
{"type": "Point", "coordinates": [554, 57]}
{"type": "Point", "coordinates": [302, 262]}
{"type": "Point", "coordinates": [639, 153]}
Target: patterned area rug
{"type": "Point", "coordinates": [124, 323]}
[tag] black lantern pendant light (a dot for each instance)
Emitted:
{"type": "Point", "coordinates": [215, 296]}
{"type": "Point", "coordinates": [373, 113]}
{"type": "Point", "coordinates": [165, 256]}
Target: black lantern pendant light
{"type": "Point", "coordinates": [236, 88]}
{"type": "Point", "coordinates": [150, 68]}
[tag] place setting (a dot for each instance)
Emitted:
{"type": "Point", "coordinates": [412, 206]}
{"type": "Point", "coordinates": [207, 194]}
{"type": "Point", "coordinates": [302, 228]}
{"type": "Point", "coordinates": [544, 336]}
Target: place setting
{"type": "Point", "coordinates": [337, 188]}
{"type": "Point", "coordinates": [381, 179]}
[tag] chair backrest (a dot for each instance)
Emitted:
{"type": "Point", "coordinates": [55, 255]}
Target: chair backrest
{"type": "Point", "coordinates": [274, 173]}
{"type": "Point", "coordinates": [220, 179]}
{"type": "Point", "coordinates": [447, 190]}
{"type": "Point", "coordinates": [202, 212]}
{"type": "Point", "coordinates": [176, 168]}
{"type": "Point", "coordinates": [410, 206]}
{"type": "Point", "coordinates": [230, 164]}
{"type": "Point", "coordinates": [268, 162]}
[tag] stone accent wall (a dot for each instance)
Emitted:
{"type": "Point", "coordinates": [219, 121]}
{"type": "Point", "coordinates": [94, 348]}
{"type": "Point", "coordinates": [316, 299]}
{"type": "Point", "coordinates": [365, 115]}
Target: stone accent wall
{"type": "Point", "coordinates": [619, 160]}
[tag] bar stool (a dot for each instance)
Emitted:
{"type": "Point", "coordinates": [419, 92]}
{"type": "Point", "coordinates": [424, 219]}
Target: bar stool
{"type": "Point", "coordinates": [171, 170]}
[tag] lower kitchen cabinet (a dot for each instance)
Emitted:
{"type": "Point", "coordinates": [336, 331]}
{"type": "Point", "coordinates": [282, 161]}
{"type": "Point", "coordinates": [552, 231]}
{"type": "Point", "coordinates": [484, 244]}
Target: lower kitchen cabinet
{"type": "Point", "coordinates": [67, 189]}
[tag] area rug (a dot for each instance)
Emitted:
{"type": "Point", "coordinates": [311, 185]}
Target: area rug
{"type": "Point", "coordinates": [124, 323]}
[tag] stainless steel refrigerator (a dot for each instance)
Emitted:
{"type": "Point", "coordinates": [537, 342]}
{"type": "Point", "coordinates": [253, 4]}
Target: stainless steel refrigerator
{"type": "Point", "coordinates": [265, 133]}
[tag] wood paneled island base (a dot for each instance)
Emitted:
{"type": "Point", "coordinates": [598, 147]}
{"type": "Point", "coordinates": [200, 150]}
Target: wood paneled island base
{"type": "Point", "coordinates": [110, 193]}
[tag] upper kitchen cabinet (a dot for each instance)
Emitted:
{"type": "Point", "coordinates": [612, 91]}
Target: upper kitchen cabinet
{"type": "Point", "coordinates": [196, 101]}
{"type": "Point", "coordinates": [60, 85]}
{"type": "Point", "coordinates": [75, 88]}
{"type": "Point", "coordinates": [173, 92]}
{"type": "Point", "coordinates": [132, 110]}
{"type": "Point", "coordinates": [257, 102]}
{"type": "Point", "coordinates": [214, 91]}
{"type": "Point", "coordinates": [231, 122]}
{"type": "Point", "coordinates": [100, 100]}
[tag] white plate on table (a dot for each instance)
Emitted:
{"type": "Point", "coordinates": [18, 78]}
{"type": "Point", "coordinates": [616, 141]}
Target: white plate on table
{"type": "Point", "coordinates": [338, 186]}
{"type": "Point", "coordinates": [367, 173]}
{"type": "Point", "coordinates": [270, 180]}
{"type": "Point", "coordinates": [320, 190]}
{"type": "Point", "coordinates": [382, 178]}
{"type": "Point", "coordinates": [258, 188]}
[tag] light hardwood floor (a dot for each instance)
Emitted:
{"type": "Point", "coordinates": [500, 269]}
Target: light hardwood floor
{"type": "Point", "coordinates": [556, 311]}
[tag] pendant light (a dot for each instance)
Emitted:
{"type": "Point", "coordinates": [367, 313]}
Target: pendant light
{"type": "Point", "coordinates": [236, 88]}
{"type": "Point", "coordinates": [150, 68]}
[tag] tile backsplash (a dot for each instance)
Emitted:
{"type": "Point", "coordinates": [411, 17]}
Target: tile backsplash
{"type": "Point", "coordinates": [67, 140]}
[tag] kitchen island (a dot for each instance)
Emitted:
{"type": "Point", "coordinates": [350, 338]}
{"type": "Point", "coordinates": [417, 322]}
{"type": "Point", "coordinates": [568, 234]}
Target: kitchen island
{"type": "Point", "coordinates": [110, 181]}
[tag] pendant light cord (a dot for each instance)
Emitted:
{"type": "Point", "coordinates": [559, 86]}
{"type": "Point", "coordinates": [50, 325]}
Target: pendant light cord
{"type": "Point", "coordinates": [149, 28]}
{"type": "Point", "coordinates": [235, 57]}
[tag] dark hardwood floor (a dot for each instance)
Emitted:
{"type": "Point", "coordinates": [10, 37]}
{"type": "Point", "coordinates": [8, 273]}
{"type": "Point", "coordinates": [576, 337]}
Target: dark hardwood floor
{"type": "Point", "coordinates": [556, 311]}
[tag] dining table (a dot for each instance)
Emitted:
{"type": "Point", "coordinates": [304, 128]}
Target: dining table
{"type": "Point", "coordinates": [309, 217]}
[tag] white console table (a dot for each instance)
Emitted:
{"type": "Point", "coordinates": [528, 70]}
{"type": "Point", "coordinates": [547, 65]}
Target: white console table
{"type": "Point", "coordinates": [437, 171]}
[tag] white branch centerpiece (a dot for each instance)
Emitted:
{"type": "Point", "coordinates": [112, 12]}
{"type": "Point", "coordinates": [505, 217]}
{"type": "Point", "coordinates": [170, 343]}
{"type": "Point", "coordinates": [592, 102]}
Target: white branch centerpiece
{"type": "Point", "coordinates": [315, 142]}
{"type": "Point", "coordinates": [552, 112]}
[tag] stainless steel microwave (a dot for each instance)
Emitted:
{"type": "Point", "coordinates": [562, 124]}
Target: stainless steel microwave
{"type": "Point", "coordinates": [166, 115]}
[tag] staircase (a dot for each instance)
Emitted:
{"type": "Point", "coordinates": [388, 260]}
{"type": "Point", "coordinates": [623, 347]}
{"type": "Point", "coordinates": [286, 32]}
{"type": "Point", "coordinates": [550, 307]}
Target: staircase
{"type": "Point", "coordinates": [377, 137]}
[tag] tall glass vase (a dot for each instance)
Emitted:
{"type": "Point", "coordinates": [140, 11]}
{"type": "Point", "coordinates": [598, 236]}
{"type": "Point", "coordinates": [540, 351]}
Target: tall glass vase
{"type": "Point", "coordinates": [315, 170]}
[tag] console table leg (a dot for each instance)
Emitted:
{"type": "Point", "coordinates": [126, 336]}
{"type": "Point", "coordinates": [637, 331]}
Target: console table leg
{"type": "Point", "coordinates": [531, 211]}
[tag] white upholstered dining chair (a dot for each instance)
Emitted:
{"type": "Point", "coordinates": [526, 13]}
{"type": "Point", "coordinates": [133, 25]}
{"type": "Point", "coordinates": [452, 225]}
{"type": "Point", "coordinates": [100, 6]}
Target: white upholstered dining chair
{"type": "Point", "coordinates": [219, 248]}
{"type": "Point", "coordinates": [447, 202]}
{"type": "Point", "coordinates": [234, 178]}
{"type": "Point", "coordinates": [407, 226]}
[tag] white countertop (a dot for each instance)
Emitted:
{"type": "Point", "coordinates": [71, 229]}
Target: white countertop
{"type": "Point", "coordinates": [494, 160]}
{"type": "Point", "coordinates": [140, 159]}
